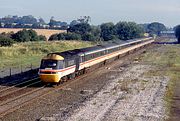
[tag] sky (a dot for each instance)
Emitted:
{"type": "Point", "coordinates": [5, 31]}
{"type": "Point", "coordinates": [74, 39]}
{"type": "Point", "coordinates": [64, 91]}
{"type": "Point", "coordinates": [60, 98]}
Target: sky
{"type": "Point", "coordinates": [100, 11]}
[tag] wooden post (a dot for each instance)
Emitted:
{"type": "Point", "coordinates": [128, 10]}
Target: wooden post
{"type": "Point", "coordinates": [10, 73]}
{"type": "Point", "coordinates": [21, 69]}
{"type": "Point", "coordinates": [31, 66]}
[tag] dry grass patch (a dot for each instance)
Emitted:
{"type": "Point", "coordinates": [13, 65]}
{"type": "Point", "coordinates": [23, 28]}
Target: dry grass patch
{"type": "Point", "coordinates": [45, 32]}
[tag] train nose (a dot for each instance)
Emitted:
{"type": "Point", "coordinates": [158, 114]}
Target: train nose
{"type": "Point", "coordinates": [50, 77]}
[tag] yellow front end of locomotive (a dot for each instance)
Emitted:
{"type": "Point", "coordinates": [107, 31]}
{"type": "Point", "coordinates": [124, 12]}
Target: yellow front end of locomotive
{"type": "Point", "coordinates": [50, 78]}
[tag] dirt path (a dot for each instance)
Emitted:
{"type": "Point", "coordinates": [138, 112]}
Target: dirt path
{"type": "Point", "coordinates": [130, 96]}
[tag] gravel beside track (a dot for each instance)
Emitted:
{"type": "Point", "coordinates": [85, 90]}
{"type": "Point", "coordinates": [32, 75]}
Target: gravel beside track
{"type": "Point", "coordinates": [117, 91]}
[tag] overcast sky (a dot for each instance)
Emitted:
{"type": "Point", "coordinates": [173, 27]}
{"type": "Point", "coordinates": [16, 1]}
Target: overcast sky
{"type": "Point", "coordinates": [140, 11]}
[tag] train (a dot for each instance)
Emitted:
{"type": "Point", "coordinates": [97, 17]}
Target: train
{"type": "Point", "coordinates": [61, 66]}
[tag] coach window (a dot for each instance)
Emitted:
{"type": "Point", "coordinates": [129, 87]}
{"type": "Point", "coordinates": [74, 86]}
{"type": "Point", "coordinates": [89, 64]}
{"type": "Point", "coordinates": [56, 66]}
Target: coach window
{"type": "Point", "coordinates": [70, 62]}
{"type": "Point", "coordinates": [101, 53]}
{"type": "Point", "coordinates": [81, 59]}
{"type": "Point", "coordinates": [61, 64]}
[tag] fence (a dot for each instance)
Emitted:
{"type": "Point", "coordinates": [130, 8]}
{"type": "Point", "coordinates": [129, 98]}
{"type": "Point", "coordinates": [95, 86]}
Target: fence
{"type": "Point", "coordinates": [18, 72]}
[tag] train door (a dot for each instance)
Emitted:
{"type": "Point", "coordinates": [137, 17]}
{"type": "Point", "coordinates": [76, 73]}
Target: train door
{"type": "Point", "coordinates": [77, 62]}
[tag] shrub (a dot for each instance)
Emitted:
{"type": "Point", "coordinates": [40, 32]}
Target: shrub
{"type": "Point", "coordinates": [88, 37]}
{"type": "Point", "coordinates": [42, 38]}
{"type": "Point", "coordinates": [22, 36]}
{"type": "Point", "coordinates": [72, 36]}
{"type": "Point", "coordinates": [65, 36]}
{"type": "Point", "coordinates": [27, 35]}
{"type": "Point", "coordinates": [33, 35]}
{"type": "Point", "coordinates": [53, 37]}
{"type": "Point", "coordinates": [6, 41]}
{"type": "Point", "coordinates": [61, 36]}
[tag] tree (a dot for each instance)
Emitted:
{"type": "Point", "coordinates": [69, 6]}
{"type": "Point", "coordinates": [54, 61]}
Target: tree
{"type": "Point", "coordinates": [5, 41]}
{"type": "Point", "coordinates": [81, 28]}
{"type": "Point", "coordinates": [128, 30]}
{"type": "Point", "coordinates": [96, 32]}
{"type": "Point", "coordinates": [74, 22]}
{"type": "Point", "coordinates": [8, 25]}
{"type": "Point", "coordinates": [35, 26]}
{"type": "Point", "coordinates": [108, 31]}
{"type": "Point", "coordinates": [84, 19]}
{"type": "Point", "coordinates": [18, 26]}
{"type": "Point", "coordinates": [144, 27]}
{"type": "Point", "coordinates": [28, 20]}
{"type": "Point", "coordinates": [26, 35]}
{"type": "Point", "coordinates": [156, 28]}
{"type": "Point", "coordinates": [33, 35]}
{"type": "Point", "coordinates": [88, 37]}
{"type": "Point", "coordinates": [177, 32]}
{"type": "Point", "coordinates": [42, 38]}
{"type": "Point", "coordinates": [22, 36]}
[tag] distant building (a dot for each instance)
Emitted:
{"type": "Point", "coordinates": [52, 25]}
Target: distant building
{"type": "Point", "coordinates": [2, 24]}
{"type": "Point", "coordinates": [167, 34]}
{"type": "Point", "coordinates": [44, 25]}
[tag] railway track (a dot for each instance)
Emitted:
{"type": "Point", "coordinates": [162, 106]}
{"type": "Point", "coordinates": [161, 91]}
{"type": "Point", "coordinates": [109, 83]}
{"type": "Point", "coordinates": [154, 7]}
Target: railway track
{"type": "Point", "coordinates": [13, 103]}
{"type": "Point", "coordinates": [18, 91]}
{"type": "Point", "coordinates": [14, 83]}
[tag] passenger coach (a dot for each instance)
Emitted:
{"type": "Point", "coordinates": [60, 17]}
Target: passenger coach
{"type": "Point", "coordinates": [66, 65]}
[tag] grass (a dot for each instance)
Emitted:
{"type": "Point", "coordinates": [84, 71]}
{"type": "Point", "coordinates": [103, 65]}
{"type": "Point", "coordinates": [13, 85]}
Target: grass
{"type": "Point", "coordinates": [167, 63]}
{"type": "Point", "coordinates": [32, 52]}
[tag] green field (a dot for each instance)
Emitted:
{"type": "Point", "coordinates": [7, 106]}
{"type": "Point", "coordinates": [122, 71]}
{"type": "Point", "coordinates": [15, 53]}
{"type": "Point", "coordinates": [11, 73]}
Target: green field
{"type": "Point", "coordinates": [31, 52]}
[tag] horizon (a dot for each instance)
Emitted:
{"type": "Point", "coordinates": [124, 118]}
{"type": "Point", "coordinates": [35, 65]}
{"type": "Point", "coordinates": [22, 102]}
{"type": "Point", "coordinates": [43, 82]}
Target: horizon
{"type": "Point", "coordinates": [101, 11]}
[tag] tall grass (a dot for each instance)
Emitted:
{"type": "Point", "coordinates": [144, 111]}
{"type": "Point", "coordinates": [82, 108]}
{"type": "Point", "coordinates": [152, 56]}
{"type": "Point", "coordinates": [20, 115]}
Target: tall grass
{"type": "Point", "coordinates": [32, 52]}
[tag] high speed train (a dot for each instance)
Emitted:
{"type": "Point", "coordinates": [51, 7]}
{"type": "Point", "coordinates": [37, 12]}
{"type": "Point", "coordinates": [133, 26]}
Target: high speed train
{"type": "Point", "coordinates": [59, 66]}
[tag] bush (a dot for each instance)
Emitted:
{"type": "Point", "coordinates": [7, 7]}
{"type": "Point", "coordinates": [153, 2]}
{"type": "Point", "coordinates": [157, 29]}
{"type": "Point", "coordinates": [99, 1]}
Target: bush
{"type": "Point", "coordinates": [27, 35]}
{"type": "Point", "coordinates": [88, 37]}
{"type": "Point", "coordinates": [5, 41]}
{"type": "Point", "coordinates": [72, 36]}
{"type": "Point", "coordinates": [21, 36]}
{"type": "Point", "coordinates": [53, 37]}
{"type": "Point", "coordinates": [65, 36]}
{"type": "Point", "coordinates": [42, 38]}
{"type": "Point", "coordinates": [61, 36]}
{"type": "Point", "coordinates": [33, 35]}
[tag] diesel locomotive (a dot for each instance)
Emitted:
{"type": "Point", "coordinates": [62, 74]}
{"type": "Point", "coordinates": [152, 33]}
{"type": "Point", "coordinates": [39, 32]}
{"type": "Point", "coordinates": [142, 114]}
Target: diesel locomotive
{"type": "Point", "coordinates": [59, 66]}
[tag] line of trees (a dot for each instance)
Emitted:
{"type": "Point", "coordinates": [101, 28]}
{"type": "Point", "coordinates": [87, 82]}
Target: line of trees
{"type": "Point", "coordinates": [31, 22]}
{"type": "Point", "coordinates": [104, 32]}
{"type": "Point", "coordinates": [22, 36]}
{"type": "Point", "coordinates": [154, 28]}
